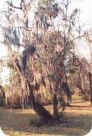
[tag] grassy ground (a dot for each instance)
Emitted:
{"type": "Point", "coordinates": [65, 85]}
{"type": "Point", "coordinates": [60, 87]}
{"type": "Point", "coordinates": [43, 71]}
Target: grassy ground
{"type": "Point", "coordinates": [78, 120]}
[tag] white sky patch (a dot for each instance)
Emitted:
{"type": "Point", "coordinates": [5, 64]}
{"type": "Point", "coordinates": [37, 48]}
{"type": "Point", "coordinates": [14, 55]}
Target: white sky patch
{"type": "Point", "coordinates": [3, 51]}
{"type": "Point", "coordinates": [16, 2]}
{"type": "Point", "coordinates": [85, 7]}
{"type": "Point", "coordinates": [32, 12]}
{"type": "Point", "coordinates": [82, 49]}
{"type": "Point", "coordinates": [3, 4]}
{"type": "Point", "coordinates": [4, 75]}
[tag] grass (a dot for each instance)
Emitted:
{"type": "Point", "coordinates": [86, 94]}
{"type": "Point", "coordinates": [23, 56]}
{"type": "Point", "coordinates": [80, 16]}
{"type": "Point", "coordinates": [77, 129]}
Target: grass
{"type": "Point", "coordinates": [78, 120]}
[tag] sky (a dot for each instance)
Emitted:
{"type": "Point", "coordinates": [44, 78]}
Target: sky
{"type": "Point", "coordinates": [4, 75]}
{"type": "Point", "coordinates": [85, 8]}
{"type": "Point", "coordinates": [82, 50]}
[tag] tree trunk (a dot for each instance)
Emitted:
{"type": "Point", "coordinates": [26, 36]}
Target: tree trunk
{"type": "Point", "coordinates": [90, 81]}
{"type": "Point", "coordinates": [55, 106]}
{"type": "Point", "coordinates": [38, 108]}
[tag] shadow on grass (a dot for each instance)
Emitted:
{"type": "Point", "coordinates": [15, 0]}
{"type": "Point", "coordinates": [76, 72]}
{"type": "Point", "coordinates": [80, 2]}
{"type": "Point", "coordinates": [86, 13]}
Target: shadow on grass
{"type": "Point", "coordinates": [74, 125]}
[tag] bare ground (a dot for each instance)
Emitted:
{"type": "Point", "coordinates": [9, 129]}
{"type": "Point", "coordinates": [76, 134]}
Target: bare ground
{"type": "Point", "coordinates": [77, 121]}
